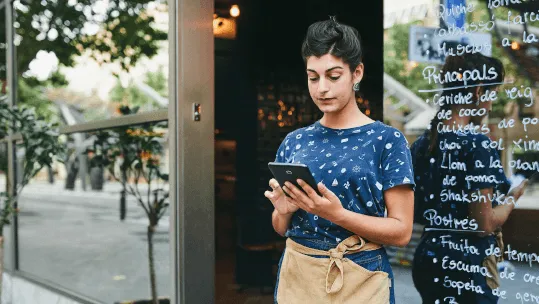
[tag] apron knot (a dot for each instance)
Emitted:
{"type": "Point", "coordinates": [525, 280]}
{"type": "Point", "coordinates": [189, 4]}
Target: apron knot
{"type": "Point", "coordinates": [336, 254]}
{"type": "Point", "coordinates": [335, 274]}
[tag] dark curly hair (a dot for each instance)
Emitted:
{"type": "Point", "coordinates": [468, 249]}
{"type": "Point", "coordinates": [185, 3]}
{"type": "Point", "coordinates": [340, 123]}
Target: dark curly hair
{"type": "Point", "coordinates": [337, 39]}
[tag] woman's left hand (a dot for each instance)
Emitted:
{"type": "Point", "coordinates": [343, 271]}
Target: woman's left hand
{"type": "Point", "coordinates": [327, 206]}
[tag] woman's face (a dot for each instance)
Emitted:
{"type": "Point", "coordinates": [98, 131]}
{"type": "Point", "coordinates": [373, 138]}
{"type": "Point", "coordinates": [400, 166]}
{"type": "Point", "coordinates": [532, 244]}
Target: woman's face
{"type": "Point", "coordinates": [330, 82]}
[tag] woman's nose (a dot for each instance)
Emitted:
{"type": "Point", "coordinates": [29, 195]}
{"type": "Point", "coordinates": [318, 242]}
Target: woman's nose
{"type": "Point", "coordinates": [323, 85]}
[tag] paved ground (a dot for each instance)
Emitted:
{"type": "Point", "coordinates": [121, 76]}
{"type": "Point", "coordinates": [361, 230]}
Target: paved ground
{"type": "Point", "coordinates": [76, 240]}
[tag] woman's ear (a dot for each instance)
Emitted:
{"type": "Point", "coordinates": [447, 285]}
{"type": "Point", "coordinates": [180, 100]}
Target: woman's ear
{"type": "Point", "coordinates": [358, 73]}
{"type": "Point", "coordinates": [477, 94]}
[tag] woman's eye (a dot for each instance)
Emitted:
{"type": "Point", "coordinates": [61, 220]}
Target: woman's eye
{"type": "Point", "coordinates": [332, 78]}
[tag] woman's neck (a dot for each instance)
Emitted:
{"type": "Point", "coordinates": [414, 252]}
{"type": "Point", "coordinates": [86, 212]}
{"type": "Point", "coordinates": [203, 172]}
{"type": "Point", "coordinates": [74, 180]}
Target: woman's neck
{"type": "Point", "coordinates": [349, 117]}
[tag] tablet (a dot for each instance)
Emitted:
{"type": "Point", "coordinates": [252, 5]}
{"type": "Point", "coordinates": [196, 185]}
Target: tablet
{"type": "Point", "coordinates": [286, 172]}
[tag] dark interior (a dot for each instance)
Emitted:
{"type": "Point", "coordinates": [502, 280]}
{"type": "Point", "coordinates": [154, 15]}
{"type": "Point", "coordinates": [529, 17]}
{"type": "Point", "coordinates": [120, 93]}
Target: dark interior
{"type": "Point", "coordinates": [253, 73]}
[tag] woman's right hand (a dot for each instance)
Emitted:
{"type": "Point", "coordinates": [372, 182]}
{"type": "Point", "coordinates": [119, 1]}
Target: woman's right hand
{"type": "Point", "coordinates": [280, 201]}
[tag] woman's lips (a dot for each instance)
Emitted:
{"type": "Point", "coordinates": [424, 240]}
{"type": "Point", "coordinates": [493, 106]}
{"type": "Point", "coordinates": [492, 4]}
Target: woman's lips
{"type": "Point", "coordinates": [326, 99]}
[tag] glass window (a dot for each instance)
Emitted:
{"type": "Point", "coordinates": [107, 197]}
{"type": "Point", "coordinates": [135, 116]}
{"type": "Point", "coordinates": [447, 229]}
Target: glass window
{"type": "Point", "coordinates": [79, 62]}
{"type": "Point", "coordinates": [3, 67]}
{"type": "Point", "coordinates": [461, 75]}
{"type": "Point", "coordinates": [84, 223]}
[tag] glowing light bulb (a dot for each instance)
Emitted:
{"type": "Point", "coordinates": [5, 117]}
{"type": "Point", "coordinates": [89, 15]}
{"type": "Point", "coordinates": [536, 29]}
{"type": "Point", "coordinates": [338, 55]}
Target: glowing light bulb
{"type": "Point", "coordinates": [234, 11]}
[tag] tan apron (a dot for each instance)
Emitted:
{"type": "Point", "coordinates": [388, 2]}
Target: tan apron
{"type": "Point", "coordinates": [491, 262]}
{"type": "Point", "coordinates": [310, 280]}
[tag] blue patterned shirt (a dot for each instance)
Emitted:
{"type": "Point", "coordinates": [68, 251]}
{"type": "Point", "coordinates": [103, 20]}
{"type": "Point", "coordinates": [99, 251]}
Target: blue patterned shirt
{"type": "Point", "coordinates": [357, 164]}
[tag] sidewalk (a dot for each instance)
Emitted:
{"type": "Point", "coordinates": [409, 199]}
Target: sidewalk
{"type": "Point", "coordinates": [105, 202]}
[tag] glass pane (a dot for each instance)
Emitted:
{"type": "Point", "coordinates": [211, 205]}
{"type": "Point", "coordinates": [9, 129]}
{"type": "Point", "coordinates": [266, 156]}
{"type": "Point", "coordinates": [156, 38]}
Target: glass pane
{"type": "Point", "coordinates": [79, 61]}
{"type": "Point", "coordinates": [474, 240]}
{"type": "Point", "coordinates": [81, 228]}
{"type": "Point", "coordinates": [3, 67]}
{"type": "Point", "coordinates": [3, 170]}
{"type": "Point", "coordinates": [6, 233]}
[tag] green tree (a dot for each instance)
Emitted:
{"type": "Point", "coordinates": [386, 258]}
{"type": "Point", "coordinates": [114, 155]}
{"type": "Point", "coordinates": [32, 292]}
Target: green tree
{"type": "Point", "coordinates": [31, 94]}
{"type": "Point", "coordinates": [125, 33]}
{"type": "Point", "coordinates": [134, 97]}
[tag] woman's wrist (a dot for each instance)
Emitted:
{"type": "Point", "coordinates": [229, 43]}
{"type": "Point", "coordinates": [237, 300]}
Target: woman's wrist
{"type": "Point", "coordinates": [289, 214]}
{"type": "Point", "coordinates": [281, 222]}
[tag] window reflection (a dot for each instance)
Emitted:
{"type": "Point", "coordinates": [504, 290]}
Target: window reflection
{"type": "Point", "coordinates": [3, 45]}
{"type": "Point", "coordinates": [3, 167]}
{"type": "Point", "coordinates": [412, 48]}
{"type": "Point", "coordinates": [87, 220]}
{"type": "Point", "coordinates": [79, 61]}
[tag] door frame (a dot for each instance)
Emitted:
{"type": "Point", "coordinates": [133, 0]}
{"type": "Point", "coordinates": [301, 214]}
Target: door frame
{"type": "Point", "coordinates": [192, 191]}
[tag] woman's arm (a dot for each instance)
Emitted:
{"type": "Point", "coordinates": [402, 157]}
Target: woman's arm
{"type": "Point", "coordinates": [395, 229]}
{"type": "Point", "coordinates": [281, 222]}
{"type": "Point", "coordinates": [488, 218]}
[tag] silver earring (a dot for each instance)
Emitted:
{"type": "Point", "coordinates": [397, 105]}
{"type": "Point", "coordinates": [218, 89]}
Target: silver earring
{"type": "Point", "coordinates": [356, 86]}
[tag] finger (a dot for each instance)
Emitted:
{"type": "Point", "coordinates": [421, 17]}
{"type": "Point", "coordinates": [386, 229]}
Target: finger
{"type": "Point", "coordinates": [289, 191]}
{"type": "Point", "coordinates": [296, 203]}
{"type": "Point", "coordinates": [326, 192]}
{"type": "Point", "coordinates": [294, 190]}
{"type": "Point", "coordinates": [275, 186]}
{"type": "Point", "coordinates": [300, 196]}
{"type": "Point", "coordinates": [269, 195]}
{"type": "Point", "coordinates": [309, 190]}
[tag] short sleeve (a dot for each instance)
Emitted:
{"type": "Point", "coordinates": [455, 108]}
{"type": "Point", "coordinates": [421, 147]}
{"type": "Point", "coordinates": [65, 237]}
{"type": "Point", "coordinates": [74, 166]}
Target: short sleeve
{"type": "Point", "coordinates": [486, 170]}
{"type": "Point", "coordinates": [281, 155]}
{"type": "Point", "coordinates": [397, 162]}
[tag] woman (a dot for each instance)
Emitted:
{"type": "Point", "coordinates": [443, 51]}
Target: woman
{"type": "Point", "coordinates": [461, 190]}
{"type": "Point", "coordinates": [363, 170]}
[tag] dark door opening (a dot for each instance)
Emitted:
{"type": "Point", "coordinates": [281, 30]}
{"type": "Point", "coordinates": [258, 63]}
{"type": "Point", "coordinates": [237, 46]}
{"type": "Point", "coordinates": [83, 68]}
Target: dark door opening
{"type": "Point", "coordinates": [260, 95]}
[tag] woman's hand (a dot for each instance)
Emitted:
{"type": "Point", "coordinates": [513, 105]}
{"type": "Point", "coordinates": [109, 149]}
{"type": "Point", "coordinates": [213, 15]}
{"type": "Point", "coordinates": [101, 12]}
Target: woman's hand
{"type": "Point", "coordinates": [518, 191]}
{"type": "Point", "coordinates": [280, 201]}
{"type": "Point", "coordinates": [327, 206]}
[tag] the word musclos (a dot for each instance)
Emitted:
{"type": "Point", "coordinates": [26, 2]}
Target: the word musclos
{"type": "Point", "coordinates": [461, 49]}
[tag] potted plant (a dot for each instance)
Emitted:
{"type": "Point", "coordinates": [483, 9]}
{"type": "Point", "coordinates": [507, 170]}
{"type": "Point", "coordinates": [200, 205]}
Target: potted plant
{"type": "Point", "coordinates": [40, 142]}
{"type": "Point", "coordinates": [107, 150]}
{"type": "Point", "coordinates": [97, 160]}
